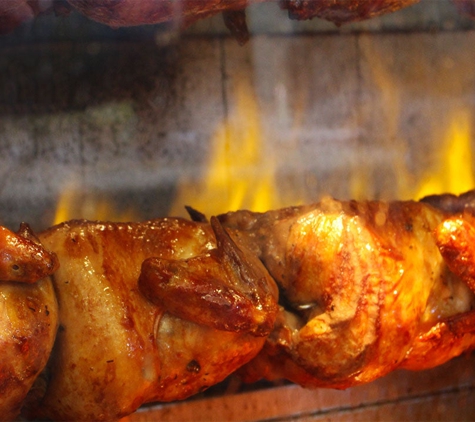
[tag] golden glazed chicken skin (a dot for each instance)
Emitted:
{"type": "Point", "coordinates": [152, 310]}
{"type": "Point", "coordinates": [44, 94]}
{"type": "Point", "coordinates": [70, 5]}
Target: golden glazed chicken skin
{"type": "Point", "coordinates": [364, 290]}
{"type": "Point", "coordinates": [332, 294]}
{"type": "Point", "coordinates": [28, 316]}
{"type": "Point", "coordinates": [115, 349]}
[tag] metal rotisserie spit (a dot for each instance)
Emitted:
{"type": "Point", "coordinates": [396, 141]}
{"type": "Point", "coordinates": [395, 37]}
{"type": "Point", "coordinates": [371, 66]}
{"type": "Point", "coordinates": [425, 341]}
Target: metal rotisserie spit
{"type": "Point", "coordinates": [111, 117]}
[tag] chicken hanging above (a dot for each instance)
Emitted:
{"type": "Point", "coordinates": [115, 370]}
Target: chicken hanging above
{"type": "Point", "coordinates": [341, 12]}
{"type": "Point", "coordinates": [465, 7]}
{"type": "Point", "coordinates": [182, 13]}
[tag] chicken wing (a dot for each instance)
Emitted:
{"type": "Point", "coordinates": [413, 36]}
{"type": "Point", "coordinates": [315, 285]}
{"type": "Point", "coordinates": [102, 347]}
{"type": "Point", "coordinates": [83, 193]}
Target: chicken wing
{"type": "Point", "coordinates": [364, 288]}
{"type": "Point", "coordinates": [28, 316]}
{"type": "Point", "coordinates": [116, 349]}
{"type": "Point", "coordinates": [22, 257]}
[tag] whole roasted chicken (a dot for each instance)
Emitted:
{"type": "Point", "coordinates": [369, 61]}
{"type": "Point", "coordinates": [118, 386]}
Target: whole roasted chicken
{"type": "Point", "coordinates": [212, 306]}
{"type": "Point", "coordinates": [366, 287]}
{"type": "Point", "coordinates": [182, 13]}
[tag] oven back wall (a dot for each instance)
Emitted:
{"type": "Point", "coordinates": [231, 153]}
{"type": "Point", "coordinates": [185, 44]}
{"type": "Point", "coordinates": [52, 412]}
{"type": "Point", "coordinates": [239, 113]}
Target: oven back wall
{"type": "Point", "coordinates": [132, 130]}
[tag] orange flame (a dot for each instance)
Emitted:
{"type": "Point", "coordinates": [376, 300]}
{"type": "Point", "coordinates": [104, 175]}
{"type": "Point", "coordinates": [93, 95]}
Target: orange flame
{"type": "Point", "coordinates": [240, 172]}
{"type": "Point", "coordinates": [451, 169]}
{"type": "Point", "coordinates": [453, 172]}
{"type": "Point", "coordinates": [76, 203]}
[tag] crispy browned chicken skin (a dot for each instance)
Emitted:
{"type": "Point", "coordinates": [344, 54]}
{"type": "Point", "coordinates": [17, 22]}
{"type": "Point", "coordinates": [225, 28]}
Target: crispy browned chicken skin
{"type": "Point", "coordinates": [364, 287]}
{"type": "Point", "coordinates": [117, 13]}
{"type": "Point", "coordinates": [343, 11]}
{"type": "Point", "coordinates": [28, 316]}
{"type": "Point", "coordinates": [116, 349]}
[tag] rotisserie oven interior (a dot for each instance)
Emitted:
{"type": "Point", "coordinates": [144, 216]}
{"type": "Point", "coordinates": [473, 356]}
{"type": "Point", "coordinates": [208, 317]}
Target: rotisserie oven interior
{"type": "Point", "coordinates": [218, 203]}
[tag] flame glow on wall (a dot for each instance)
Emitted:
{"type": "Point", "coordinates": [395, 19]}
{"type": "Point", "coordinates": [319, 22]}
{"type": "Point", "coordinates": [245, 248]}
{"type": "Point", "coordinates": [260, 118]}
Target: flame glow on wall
{"type": "Point", "coordinates": [74, 202]}
{"type": "Point", "coordinates": [240, 172]}
{"type": "Point", "coordinates": [454, 170]}
{"type": "Point", "coordinates": [239, 175]}
{"type": "Point", "coordinates": [409, 134]}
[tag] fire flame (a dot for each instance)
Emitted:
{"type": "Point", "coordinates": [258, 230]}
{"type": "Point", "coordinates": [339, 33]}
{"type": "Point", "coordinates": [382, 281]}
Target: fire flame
{"type": "Point", "coordinates": [240, 172]}
{"type": "Point", "coordinates": [240, 175]}
{"type": "Point", "coordinates": [453, 172]}
{"type": "Point", "coordinates": [450, 169]}
{"type": "Point", "coordinates": [75, 202]}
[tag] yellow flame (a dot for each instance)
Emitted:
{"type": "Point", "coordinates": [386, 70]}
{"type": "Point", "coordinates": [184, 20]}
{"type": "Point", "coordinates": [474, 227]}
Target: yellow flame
{"type": "Point", "coordinates": [64, 205]}
{"type": "Point", "coordinates": [240, 172]}
{"type": "Point", "coordinates": [77, 203]}
{"type": "Point", "coordinates": [454, 170]}
{"type": "Point", "coordinates": [451, 169]}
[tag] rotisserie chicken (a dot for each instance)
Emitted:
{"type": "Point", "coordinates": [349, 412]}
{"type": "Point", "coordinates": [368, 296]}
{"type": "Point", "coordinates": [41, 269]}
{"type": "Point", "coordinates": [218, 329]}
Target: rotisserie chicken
{"type": "Point", "coordinates": [160, 310]}
{"type": "Point", "coordinates": [28, 316]}
{"type": "Point", "coordinates": [365, 289]}
{"type": "Point", "coordinates": [465, 7]}
{"type": "Point", "coordinates": [115, 349]}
